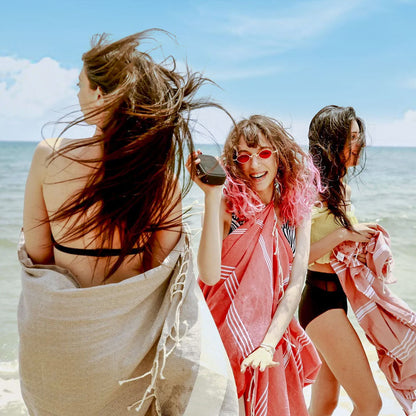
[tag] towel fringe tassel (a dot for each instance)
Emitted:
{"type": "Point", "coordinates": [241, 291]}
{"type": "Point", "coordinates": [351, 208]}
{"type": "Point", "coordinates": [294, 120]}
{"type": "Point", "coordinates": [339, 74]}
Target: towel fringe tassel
{"type": "Point", "coordinates": [156, 372]}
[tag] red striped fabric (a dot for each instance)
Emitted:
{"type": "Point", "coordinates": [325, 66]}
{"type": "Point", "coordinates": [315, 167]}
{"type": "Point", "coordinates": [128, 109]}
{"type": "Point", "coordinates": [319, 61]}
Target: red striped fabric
{"type": "Point", "coordinates": [256, 260]}
{"type": "Point", "coordinates": [389, 323]}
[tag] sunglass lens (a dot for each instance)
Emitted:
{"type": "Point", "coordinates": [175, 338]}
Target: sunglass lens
{"type": "Point", "coordinates": [265, 154]}
{"type": "Point", "coordinates": [243, 158]}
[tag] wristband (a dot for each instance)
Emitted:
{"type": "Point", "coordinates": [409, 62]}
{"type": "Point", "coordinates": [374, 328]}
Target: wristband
{"type": "Point", "coordinates": [269, 348]}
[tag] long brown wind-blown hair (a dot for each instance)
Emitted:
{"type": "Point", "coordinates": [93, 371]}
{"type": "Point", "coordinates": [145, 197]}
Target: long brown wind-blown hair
{"type": "Point", "coordinates": [144, 136]}
{"type": "Point", "coordinates": [329, 134]}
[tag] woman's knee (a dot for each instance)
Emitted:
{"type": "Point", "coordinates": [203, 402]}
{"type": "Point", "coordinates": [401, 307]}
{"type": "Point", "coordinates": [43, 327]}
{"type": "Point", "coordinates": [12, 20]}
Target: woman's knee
{"type": "Point", "coordinates": [328, 405]}
{"type": "Point", "coordinates": [370, 405]}
{"type": "Point", "coordinates": [324, 401]}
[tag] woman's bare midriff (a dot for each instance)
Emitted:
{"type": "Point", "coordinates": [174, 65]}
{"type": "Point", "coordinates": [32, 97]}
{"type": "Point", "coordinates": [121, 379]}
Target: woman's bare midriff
{"type": "Point", "coordinates": [321, 267]}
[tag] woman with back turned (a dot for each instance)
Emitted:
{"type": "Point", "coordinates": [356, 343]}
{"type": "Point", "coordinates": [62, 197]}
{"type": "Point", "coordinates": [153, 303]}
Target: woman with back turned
{"type": "Point", "coordinates": [110, 318]}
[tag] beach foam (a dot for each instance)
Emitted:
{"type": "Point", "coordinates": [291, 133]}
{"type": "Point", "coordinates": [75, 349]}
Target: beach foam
{"type": "Point", "coordinates": [11, 402]}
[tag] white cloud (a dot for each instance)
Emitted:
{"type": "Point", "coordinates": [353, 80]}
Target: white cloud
{"type": "Point", "coordinates": [395, 132]}
{"type": "Point", "coordinates": [10, 66]}
{"type": "Point", "coordinates": [410, 83]}
{"type": "Point", "coordinates": [410, 117]}
{"type": "Point", "coordinates": [399, 132]}
{"type": "Point", "coordinates": [35, 88]}
{"type": "Point", "coordinates": [32, 94]}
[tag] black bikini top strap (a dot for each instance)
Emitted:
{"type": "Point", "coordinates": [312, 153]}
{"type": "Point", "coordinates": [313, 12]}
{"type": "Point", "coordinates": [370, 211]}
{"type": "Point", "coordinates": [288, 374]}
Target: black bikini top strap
{"type": "Point", "coordinates": [98, 252]}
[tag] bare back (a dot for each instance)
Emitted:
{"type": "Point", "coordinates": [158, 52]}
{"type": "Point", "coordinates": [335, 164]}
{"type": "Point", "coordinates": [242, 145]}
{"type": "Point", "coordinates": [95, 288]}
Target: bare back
{"type": "Point", "coordinates": [49, 186]}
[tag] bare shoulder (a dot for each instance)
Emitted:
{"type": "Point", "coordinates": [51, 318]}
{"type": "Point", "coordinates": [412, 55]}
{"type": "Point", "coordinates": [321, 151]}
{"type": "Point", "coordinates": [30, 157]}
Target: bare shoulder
{"type": "Point", "coordinates": [40, 158]}
{"type": "Point", "coordinates": [44, 149]}
{"type": "Point", "coordinates": [71, 158]}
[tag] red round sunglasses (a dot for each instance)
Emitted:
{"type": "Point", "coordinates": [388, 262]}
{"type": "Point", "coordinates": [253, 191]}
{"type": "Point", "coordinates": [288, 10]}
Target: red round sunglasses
{"type": "Point", "coordinates": [264, 154]}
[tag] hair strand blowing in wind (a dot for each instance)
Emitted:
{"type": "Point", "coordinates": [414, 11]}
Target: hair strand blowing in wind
{"type": "Point", "coordinates": [147, 110]}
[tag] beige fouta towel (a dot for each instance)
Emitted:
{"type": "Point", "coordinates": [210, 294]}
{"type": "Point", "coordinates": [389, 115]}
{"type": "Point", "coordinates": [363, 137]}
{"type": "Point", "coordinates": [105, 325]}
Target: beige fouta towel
{"type": "Point", "coordinates": [145, 346]}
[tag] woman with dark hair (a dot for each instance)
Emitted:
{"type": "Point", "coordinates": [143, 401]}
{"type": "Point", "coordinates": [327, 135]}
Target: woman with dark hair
{"type": "Point", "coordinates": [114, 315]}
{"type": "Point", "coordinates": [336, 141]}
{"type": "Point", "coordinates": [252, 263]}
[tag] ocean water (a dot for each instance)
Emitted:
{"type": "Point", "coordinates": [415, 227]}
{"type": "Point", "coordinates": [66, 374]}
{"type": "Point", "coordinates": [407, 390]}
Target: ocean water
{"type": "Point", "coordinates": [384, 192]}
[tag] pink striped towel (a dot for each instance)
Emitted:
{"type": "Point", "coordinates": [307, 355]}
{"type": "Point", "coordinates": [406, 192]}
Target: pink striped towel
{"type": "Point", "coordinates": [388, 322]}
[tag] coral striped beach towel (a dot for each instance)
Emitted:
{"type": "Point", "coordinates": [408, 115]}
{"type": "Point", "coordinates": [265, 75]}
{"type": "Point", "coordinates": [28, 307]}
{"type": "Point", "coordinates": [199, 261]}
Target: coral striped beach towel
{"type": "Point", "coordinates": [389, 324]}
{"type": "Point", "coordinates": [255, 271]}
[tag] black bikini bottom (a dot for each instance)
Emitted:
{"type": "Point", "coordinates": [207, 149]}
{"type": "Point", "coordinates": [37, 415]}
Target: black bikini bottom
{"type": "Point", "coordinates": [322, 292]}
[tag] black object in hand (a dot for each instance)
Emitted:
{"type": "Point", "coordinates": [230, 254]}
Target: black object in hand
{"type": "Point", "coordinates": [210, 171]}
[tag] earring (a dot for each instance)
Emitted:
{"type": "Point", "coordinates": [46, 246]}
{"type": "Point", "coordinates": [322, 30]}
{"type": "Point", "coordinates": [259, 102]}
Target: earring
{"type": "Point", "coordinates": [276, 187]}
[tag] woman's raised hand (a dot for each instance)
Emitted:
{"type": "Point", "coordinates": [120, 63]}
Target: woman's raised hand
{"type": "Point", "coordinates": [207, 189]}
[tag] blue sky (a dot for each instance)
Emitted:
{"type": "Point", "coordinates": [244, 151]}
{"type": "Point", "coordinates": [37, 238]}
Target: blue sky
{"type": "Point", "coordinates": [286, 59]}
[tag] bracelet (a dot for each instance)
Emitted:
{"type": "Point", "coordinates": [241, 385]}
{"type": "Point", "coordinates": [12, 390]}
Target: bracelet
{"type": "Point", "coordinates": [268, 347]}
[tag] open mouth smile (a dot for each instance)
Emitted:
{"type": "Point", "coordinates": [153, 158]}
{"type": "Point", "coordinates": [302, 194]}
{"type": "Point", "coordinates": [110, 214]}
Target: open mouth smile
{"type": "Point", "coordinates": [258, 175]}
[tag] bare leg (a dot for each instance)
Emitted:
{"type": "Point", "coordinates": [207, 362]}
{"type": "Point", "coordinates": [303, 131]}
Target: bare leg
{"type": "Point", "coordinates": [325, 392]}
{"type": "Point", "coordinates": [345, 363]}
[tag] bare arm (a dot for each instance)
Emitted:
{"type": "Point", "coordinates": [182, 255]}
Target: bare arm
{"type": "Point", "coordinates": [363, 233]}
{"type": "Point", "coordinates": [210, 246]}
{"type": "Point", "coordinates": [327, 244]}
{"type": "Point", "coordinates": [290, 301]}
{"type": "Point", "coordinates": [285, 311]}
{"type": "Point", "coordinates": [37, 232]}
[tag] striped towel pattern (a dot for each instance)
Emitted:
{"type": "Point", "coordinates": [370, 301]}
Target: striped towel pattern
{"type": "Point", "coordinates": [256, 261]}
{"type": "Point", "coordinates": [389, 323]}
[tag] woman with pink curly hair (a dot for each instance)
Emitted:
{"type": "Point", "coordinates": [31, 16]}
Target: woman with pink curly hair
{"type": "Point", "coordinates": [252, 262]}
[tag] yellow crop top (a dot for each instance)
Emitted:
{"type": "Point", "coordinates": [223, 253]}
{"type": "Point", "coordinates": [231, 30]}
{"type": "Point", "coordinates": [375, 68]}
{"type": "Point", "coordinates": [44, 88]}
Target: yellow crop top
{"type": "Point", "coordinates": [323, 223]}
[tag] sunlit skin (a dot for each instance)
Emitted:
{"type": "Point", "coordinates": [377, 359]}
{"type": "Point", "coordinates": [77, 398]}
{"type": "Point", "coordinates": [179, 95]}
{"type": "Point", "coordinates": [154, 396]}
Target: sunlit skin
{"type": "Point", "coordinates": [352, 150]}
{"type": "Point", "coordinates": [261, 173]}
{"type": "Point", "coordinates": [89, 99]}
{"type": "Point", "coordinates": [44, 193]}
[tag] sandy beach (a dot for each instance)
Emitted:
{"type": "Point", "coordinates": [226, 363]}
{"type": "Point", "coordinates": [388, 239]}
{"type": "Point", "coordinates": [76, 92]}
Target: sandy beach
{"type": "Point", "coordinates": [11, 401]}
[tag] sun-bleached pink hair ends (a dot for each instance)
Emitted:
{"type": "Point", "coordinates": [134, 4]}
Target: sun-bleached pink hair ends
{"type": "Point", "coordinates": [298, 179]}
